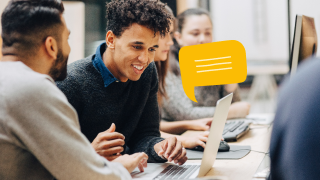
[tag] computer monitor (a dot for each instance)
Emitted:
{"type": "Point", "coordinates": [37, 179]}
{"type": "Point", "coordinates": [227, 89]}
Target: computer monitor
{"type": "Point", "coordinates": [304, 41]}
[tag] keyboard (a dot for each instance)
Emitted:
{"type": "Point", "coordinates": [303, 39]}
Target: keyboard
{"type": "Point", "coordinates": [177, 172]}
{"type": "Point", "coordinates": [234, 129]}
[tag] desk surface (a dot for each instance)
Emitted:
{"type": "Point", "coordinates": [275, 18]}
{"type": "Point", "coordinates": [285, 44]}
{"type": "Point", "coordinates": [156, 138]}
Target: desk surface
{"type": "Point", "coordinates": [258, 138]}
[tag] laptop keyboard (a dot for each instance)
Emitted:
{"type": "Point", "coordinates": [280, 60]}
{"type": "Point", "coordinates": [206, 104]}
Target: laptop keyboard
{"type": "Point", "coordinates": [177, 172]}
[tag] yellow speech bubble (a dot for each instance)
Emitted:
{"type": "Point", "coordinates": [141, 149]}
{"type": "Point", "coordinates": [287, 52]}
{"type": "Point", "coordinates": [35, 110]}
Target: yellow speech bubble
{"type": "Point", "coordinates": [214, 63]}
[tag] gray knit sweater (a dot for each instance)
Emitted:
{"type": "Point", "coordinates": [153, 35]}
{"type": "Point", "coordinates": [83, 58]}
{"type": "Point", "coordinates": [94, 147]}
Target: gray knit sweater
{"type": "Point", "coordinates": [131, 105]}
{"type": "Point", "coordinates": [179, 107]}
{"type": "Point", "coordinates": [40, 135]}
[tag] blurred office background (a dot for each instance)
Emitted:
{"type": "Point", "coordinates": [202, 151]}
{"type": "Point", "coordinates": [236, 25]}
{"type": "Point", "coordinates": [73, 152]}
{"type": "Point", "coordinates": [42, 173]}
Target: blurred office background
{"type": "Point", "coordinates": [264, 27]}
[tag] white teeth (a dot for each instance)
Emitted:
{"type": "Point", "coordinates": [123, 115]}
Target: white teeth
{"type": "Point", "coordinates": [138, 67]}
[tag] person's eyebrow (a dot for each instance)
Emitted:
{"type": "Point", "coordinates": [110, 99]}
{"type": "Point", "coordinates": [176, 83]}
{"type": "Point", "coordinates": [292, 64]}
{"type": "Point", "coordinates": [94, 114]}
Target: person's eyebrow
{"type": "Point", "coordinates": [156, 46]}
{"type": "Point", "coordinates": [137, 42]}
{"type": "Point", "coordinates": [69, 31]}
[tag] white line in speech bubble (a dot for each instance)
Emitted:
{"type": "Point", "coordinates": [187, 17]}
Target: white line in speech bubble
{"type": "Point", "coordinates": [213, 64]}
{"type": "Point", "coordinates": [212, 59]}
{"type": "Point", "coordinates": [214, 70]}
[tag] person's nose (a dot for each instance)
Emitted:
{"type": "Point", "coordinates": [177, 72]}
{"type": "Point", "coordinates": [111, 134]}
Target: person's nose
{"type": "Point", "coordinates": [201, 38]}
{"type": "Point", "coordinates": [143, 57]}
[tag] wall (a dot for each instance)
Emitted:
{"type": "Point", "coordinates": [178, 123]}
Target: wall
{"type": "Point", "coordinates": [75, 17]}
{"type": "Point", "coordinates": [260, 25]}
{"type": "Point", "coordinates": [183, 5]}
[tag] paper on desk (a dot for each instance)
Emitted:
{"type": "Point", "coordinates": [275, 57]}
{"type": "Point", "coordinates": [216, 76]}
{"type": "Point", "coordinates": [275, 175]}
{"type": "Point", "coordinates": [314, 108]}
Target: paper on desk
{"type": "Point", "coordinates": [262, 174]}
{"type": "Point", "coordinates": [260, 118]}
{"type": "Point", "coordinates": [209, 178]}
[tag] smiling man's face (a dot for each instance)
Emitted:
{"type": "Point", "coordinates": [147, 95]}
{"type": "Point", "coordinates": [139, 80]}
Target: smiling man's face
{"type": "Point", "coordinates": [133, 51]}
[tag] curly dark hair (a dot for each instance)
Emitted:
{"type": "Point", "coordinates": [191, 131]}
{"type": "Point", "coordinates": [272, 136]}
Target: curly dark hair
{"type": "Point", "coordinates": [121, 14]}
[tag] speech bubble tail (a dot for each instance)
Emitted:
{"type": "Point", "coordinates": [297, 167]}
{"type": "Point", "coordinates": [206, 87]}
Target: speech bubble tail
{"type": "Point", "coordinates": [189, 90]}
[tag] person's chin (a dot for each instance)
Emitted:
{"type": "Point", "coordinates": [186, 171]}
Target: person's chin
{"type": "Point", "coordinates": [135, 78]}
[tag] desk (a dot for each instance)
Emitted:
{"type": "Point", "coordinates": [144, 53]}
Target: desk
{"type": "Point", "coordinates": [243, 169]}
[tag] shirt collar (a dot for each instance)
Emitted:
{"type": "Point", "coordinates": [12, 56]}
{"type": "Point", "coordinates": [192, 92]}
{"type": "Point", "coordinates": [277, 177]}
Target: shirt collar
{"type": "Point", "coordinates": [98, 63]}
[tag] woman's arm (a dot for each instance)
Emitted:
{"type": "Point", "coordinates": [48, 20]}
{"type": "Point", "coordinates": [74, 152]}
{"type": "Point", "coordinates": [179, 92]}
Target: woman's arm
{"type": "Point", "coordinates": [178, 127]}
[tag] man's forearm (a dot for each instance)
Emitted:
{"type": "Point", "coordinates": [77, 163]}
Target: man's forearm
{"type": "Point", "coordinates": [176, 127]}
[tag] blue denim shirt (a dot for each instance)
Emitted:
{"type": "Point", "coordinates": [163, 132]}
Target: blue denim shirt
{"type": "Point", "coordinates": [98, 63]}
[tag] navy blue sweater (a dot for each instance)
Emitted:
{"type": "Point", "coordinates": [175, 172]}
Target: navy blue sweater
{"type": "Point", "coordinates": [295, 146]}
{"type": "Point", "coordinates": [131, 105]}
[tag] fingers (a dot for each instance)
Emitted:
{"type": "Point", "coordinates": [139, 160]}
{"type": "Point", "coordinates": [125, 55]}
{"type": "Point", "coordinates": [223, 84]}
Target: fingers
{"type": "Point", "coordinates": [140, 166]}
{"type": "Point", "coordinates": [182, 158]}
{"type": "Point", "coordinates": [201, 143]}
{"type": "Point", "coordinates": [203, 138]}
{"type": "Point", "coordinates": [205, 134]}
{"type": "Point", "coordinates": [111, 151]}
{"type": "Point", "coordinates": [112, 128]}
{"type": "Point", "coordinates": [164, 146]}
{"type": "Point", "coordinates": [200, 127]}
{"type": "Point", "coordinates": [145, 163]}
{"type": "Point", "coordinates": [170, 146]}
{"type": "Point", "coordinates": [111, 158]}
{"type": "Point", "coordinates": [176, 151]}
{"type": "Point", "coordinates": [110, 136]}
{"type": "Point", "coordinates": [209, 123]}
{"type": "Point", "coordinates": [112, 143]}
{"type": "Point", "coordinates": [141, 159]}
{"type": "Point", "coordinates": [110, 148]}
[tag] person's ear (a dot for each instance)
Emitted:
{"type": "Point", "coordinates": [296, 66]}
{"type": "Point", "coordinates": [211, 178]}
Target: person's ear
{"type": "Point", "coordinates": [110, 39]}
{"type": "Point", "coordinates": [177, 36]}
{"type": "Point", "coordinates": [51, 47]}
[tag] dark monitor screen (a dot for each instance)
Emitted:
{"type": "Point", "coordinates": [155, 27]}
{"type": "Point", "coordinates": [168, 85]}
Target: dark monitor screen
{"type": "Point", "coordinates": [304, 41]}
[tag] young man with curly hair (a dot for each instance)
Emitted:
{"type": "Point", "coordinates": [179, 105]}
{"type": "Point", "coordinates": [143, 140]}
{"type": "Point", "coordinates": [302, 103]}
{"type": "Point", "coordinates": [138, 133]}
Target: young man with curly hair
{"type": "Point", "coordinates": [118, 85]}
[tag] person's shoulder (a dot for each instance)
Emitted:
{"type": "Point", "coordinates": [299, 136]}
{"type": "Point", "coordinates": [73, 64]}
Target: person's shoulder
{"type": "Point", "coordinates": [25, 85]}
{"type": "Point", "coordinates": [306, 76]}
{"type": "Point", "coordinates": [80, 66]}
{"type": "Point", "coordinates": [77, 72]}
{"type": "Point", "coordinates": [303, 87]}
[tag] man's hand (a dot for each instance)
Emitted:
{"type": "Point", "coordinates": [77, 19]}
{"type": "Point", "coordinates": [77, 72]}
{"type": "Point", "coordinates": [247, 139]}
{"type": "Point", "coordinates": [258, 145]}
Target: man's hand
{"type": "Point", "coordinates": [172, 150]}
{"type": "Point", "coordinates": [199, 124]}
{"type": "Point", "coordinates": [109, 143]}
{"type": "Point", "coordinates": [130, 162]}
{"type": "Point", "coordinates": [239, 110]}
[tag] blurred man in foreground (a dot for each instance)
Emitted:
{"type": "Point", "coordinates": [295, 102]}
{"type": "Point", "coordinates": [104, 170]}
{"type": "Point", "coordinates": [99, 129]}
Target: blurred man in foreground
{"type": "Point", "coordinates": [40, 136]}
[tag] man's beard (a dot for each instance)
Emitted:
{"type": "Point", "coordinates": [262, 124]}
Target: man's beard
{"type": "Point", "coordinates": [58, 71]}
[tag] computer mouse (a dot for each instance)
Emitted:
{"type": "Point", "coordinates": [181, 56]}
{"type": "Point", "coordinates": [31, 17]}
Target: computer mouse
{"type": "Point", "coordinates": [223, 147]}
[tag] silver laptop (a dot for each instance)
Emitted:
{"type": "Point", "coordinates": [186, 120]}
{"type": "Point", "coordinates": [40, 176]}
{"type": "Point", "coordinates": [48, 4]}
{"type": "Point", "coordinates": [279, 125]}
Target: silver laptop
{"type": "Point", "coordinates": [159, 171]}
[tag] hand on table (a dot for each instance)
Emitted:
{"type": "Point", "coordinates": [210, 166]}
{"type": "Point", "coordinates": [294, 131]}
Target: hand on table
{"type": "Point", "coordinates": [172, 150]}
{"type": "Point", "coordinates": [130, 162]}
{"type": "Point", "coordinates": [239, 110]}
{"type": "Point", "coordinates": [109, 143]}
{"type": "Point", "coordinates": [192, 142]}
{"type": "Point", "coordinates": [199, 124]}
